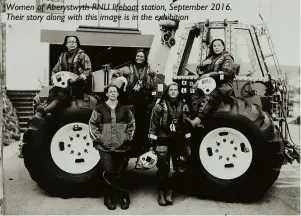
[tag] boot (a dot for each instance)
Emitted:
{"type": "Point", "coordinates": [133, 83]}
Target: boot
{"type": "Point", "coordinates": [111, 204]}
{"type": "Point", "coordinates": [168, 197]}
{"type": "Point", "coordinates": [40, 113]}
{"type": "Point", "coordinates": [109, 199]}
{"type": "Point", "coordinates": [53, 106]}
{"type": "Point", "coordinates": [161, 200]}
{"type": "Point", "coordinates": [105, 200]}
{"type": "Point", "coordinates": [125, 202]}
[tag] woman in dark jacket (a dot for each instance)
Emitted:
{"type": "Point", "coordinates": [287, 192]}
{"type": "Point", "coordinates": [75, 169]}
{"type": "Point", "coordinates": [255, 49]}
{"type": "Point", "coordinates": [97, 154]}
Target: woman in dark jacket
{"type": "Point", "coordinates": [74, 60]}
{"type": "Point", "coordinates": [219, 65]}
{"type": "Point", "coordinates": [141, 92]}
{"type": "Point", "coordinates": [168, 135]}
{"type": "Point", "coordinates": [112, 126]}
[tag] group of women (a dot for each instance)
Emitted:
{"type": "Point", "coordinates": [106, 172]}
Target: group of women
{"type": "Point", "coordinates": [165, 126]}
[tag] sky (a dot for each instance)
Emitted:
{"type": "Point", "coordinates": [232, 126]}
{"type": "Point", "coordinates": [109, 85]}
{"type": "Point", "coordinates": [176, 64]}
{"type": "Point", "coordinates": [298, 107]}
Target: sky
{"type": "Point", "coordinates": [281, 16]}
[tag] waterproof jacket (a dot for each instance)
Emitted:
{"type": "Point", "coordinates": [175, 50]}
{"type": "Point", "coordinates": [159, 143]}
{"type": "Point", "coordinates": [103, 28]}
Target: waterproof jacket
{"type": "Point", "coordinates": [111, 130]}
{"type": "Point", "coordinates": [148, 76]}
{"type": "Point", "coordinates": [77, 62]}
{"type": "Point", "coordinates": [223, 62]}
{"type": "Point", "coordinates": [201, 104]}
{"type": "Point", "coordinates": [163, 114]}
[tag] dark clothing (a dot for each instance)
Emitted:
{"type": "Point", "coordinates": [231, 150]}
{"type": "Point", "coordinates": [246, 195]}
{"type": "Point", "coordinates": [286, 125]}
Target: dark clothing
{"type": "Point", "coordinates": [167, 147]}
{"type": "Point", "coordinates": [202, 104]}
{"type": "Point", "coordinates": [142, 100]}
{"type": "Point", "coordinates": [135, 74]}
{"type": "Point", "coordinates": [78, 63]}
{"type": "Point", "coordinates": [163, 115]}
{"type": "Point", "coordinates": [116, 162]}
{"type": "Point", "coordinates": [112, 130]}
{"type": "Point", "coordinates": [113, 161]}
{"type": "Point", "coordinates": [223, 62]}
{"type": "Point", "coordinates": [167, 132]}
{"type": "Point", "coordinates": [64, 94]}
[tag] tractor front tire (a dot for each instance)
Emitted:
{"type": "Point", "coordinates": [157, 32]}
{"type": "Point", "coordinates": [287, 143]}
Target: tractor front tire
{"type": "Point", "coordinates": [59, 155]}
{"type": "Point", "coordinates": [236, 157]}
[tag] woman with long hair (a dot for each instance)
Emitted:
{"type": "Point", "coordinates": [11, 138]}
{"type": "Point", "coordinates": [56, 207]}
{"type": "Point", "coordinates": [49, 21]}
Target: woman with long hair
{"type": "Point", "coordinates": [141, 93]}
{"type": "Point", "coordinates": [72, 59]}
{"type": "Point", "coordinates": [219, 65]}
{"type": "Point", "coordinates": [168, 136]}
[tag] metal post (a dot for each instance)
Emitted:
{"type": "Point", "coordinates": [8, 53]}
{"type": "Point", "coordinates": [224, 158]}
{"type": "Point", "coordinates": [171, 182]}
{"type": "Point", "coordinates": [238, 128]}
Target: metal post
{"type": "Point", "coordinates": [2, 76]}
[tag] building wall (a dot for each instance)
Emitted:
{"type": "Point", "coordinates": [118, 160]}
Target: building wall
{"type": "Point", "coordinates": [27, 57]}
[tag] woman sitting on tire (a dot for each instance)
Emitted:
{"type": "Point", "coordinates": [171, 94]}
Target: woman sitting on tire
{"type": "Point", "coordinates": [112, 126]}
{"type": "Point", "coordinates": [74, 60]}
{"type": "Point", "coordinates": [219, 63]}
{"type": "Point", "coordinates": [168, 136]}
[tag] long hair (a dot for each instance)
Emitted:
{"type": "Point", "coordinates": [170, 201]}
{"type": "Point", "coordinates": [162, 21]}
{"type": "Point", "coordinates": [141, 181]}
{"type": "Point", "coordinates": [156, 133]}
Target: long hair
{"type": "Point", "coordinates": [211, 51]}
{"type": "Point", "coordinates": [76, 38]}
{"type": "Point", "coordinates": [165, 93]}
{"type": "Point", "coordinates": [133, 61]}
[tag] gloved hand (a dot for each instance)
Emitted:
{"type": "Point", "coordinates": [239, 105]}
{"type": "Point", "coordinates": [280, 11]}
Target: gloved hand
{"type": "Point", "coordinates": [152, 144]}
{"type": "Point", "coordinates": [71, 82]}
{"type": "Point", "coordinates": [195, 122]}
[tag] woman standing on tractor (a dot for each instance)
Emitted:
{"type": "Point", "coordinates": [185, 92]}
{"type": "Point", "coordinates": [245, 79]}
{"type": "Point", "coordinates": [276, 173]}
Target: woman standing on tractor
{"type": "Point", "coordinates": [112, 126]}
{"type": "Point", "coordinates": [74, 60]}
{"type": "Point", "coordinates": [219, 65]}
{"type": "Point", "coordinates": [168, 136]}
{"type": "Point", "coordinates": [141, 92]}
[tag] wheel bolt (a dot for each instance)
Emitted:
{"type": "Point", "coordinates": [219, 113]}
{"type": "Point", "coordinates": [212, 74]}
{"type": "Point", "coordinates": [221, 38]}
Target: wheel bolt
{"type": "Point", "coordinates": [85, 137]}
{"type": "Point", "coordinates": [234, 155]}
{"type": "Point", "coordinates": [71, 138]}
{"type": "Point", "coordinates": [227, 159]}
{"type": "Point", "coordinates": [220, 157]}
{"type": "Point", "coordinates": [218, 144]}
{"type": "Point", "coordinates": [77, 135]}
{"type": "Point", "coordinates": [216, 150]}
{"type": "Point", "coordinates": [78, 153]}
{"type": "Point", "coordinates": [72, 152]}
{"type": "Point", "coordinates": [224, 140]}
{"type": "Point", "coordinates": [235, 148]}
{"type": "Point", "coordinates": [69, 145]}
{"type": "Point", "coordinates": [86, 151]}
{"type": "Point", "coordinates": [231, 142]}
{"type": "Point", "coordinates": [88, 144]}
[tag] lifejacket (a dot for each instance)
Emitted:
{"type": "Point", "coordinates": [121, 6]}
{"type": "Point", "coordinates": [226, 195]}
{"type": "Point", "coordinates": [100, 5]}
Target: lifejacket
{"type": "Point", "coordinates": [171, 113]}
{"type": "Point", "coordinates": [144, 77]}
{"type": "Point", "coordinates": [75, 62]}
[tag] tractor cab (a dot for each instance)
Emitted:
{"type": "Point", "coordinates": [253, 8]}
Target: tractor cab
{"type": "Point", "coordinates": [254, 81]}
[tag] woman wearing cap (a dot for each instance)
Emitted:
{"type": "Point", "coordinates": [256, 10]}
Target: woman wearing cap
{"type": "Point", "coordinates": [168, 136]}
{"type": "Point", "coordinates": [219, 65]}
{"type": "Point", "coordinates": [74, 60]}
{"type": "Point", "coordinates": [141, 92]}
{"type": "Point", "coordinates": [112, 126]}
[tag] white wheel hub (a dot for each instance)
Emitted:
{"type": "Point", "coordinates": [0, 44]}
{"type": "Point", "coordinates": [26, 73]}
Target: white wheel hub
{"type": "Point", "coordinates": [72, 149]}
{"type": "Point", "coordinates": [225, 153]}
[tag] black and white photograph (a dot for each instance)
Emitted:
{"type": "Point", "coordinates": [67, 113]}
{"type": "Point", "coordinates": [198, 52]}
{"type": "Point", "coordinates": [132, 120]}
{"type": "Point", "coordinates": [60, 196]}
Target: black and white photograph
{"type": "Point", "coordinates": [150, 107]}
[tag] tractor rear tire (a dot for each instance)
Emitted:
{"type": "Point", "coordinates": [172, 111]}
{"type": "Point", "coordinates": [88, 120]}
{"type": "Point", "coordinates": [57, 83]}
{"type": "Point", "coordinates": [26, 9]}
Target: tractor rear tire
{"type": "Point", "coordinates": [40, 161]}
{"type": "Point", "coordinates": [257, 168]}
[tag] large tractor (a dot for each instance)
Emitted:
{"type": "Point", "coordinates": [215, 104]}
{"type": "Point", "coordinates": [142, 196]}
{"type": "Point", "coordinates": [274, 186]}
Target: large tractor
{"type": "Point", "coordinates": [236, 156]}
